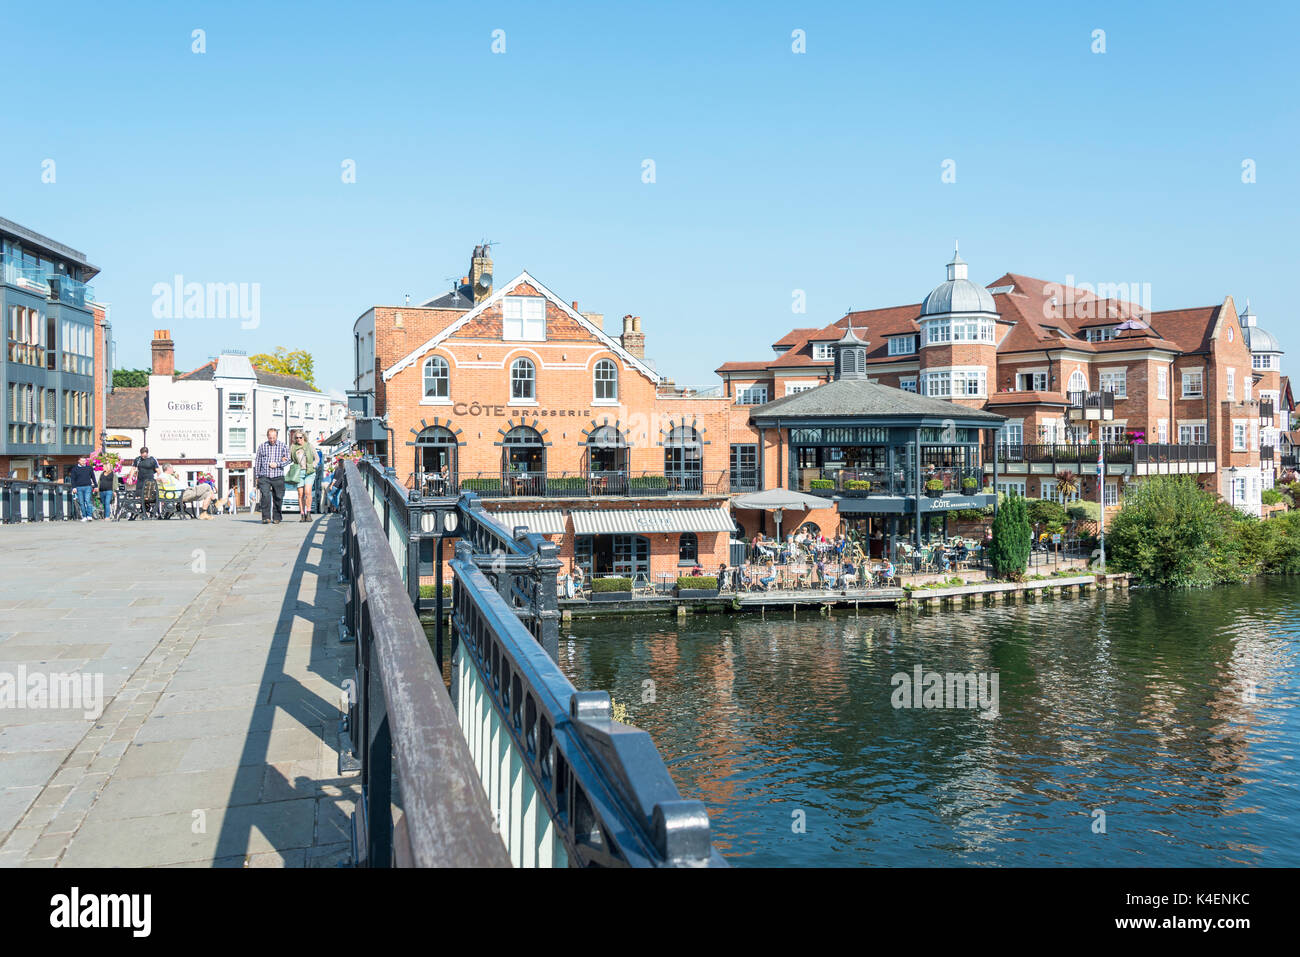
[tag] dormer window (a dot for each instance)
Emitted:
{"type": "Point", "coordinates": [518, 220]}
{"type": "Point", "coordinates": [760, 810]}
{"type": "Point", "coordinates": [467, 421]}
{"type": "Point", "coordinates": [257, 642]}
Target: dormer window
{"type": "Point", "coordinates": [823, 351]}
{"type": "Point", "coordinates": [1101, 334]}
{"type": "Point", "coordinates": [902, 345]}
{"type": "Point", "coordinates": [524, 318]}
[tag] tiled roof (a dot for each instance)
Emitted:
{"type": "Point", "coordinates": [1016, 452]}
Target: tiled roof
{"type": "Point", "coordinates": [1188, 329]}
{"type": "Point", "coordinates": [1027, 398]}
{"type": "Point", "coordinates": [127, 408]}
{"type": "Point", "coordinates": [862, 397]}
{"type": "Point", "coordinates": [204, 373]}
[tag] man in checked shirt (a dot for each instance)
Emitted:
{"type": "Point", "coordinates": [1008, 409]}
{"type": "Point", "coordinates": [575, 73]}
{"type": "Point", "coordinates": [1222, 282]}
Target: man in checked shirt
{"type": "Point", "coordinates": [269, 463]}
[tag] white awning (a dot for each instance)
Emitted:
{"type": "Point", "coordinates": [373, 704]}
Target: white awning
{"type": "Point", "coordinates": [780, 498]}
{"type": "Point", "coordinates": [640, 521]}
{"type": "Point", "coordinates": [545, 522]}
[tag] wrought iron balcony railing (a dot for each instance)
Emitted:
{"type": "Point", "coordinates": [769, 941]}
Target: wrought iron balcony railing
{"type": "Point", "coordinates": [576, 484]}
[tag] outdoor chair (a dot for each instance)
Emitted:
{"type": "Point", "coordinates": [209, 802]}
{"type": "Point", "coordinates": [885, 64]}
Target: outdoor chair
{"type": "Point", "coordinates": [128, 504]}
{"type": "Point", "coordinates": [642, 586]}
{"type": "Point", "coordinates": [169, 504]}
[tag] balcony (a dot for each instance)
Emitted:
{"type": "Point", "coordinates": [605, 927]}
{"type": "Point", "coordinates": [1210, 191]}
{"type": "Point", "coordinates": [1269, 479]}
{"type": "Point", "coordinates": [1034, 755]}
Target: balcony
{"type": "Point", "coordinates": [1266, 454]}
{"type": "Point", "coordinates": [1121, 458]}
{"type": "Point", "coordinates": [622, 483]}
{"type": "Point", "coordinates": [1266, 409]}
{"type": "Point", "coordinates": [1089, 406]}
{"type": "Point", "coordinates": [865, 483]}
{"type": "Point", "coordinates": [744, 480]}
{"type": "Point", "coordinates": [58, 287]}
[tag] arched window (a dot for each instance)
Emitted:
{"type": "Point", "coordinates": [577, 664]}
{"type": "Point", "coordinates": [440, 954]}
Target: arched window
{"type": "Point", "coordinates": [437, 378]}
{"type": "Point", "coordinates": [688, 549]}
{"type": "Point", "coordinates": [811, 528]}
{"type": "Point", "coordinates": [523, 379]}
{"type": "Point", "coordinates": [606, 380]}
{"type": "Point", "coordinates": [684, 459]}
{"type": "Point", "coordinates": [1078, 381]}
{"type": "Point", "coordinates": [523, 460]}
{"type": "Point", "coordinates": [435, 450]}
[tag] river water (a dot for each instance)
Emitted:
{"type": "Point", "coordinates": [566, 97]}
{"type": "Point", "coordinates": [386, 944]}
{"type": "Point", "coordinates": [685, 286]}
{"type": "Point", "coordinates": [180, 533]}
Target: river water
{"type": "Point", "coordinates": [1130, 729]}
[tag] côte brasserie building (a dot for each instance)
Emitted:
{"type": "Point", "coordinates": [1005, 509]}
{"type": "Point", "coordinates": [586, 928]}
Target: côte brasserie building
{"type": "Point", "coordinates": [514, 394]}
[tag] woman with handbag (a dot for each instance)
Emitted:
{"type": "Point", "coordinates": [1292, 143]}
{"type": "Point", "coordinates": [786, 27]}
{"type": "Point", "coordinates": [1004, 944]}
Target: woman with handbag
{"type": "Point", "coordinates": [301, 470]}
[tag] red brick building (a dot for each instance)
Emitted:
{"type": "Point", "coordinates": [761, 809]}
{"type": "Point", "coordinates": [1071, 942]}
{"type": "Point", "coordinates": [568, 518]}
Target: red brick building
{"type": "Point", "coordinates": [556, 424]}
{"type": "Point", "coordinates": [1194, 390]}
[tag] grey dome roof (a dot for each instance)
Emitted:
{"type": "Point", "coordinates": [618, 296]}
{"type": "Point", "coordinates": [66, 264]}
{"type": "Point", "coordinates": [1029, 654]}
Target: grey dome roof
{"type": "Point", "coordinates": [1260, 340]}
{"type": "Point", "coordinates": [957, 293]}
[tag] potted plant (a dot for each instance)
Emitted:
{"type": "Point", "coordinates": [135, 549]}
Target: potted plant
{"type": "Point", "coordinates": [611, 589]}
{"type": "Point", "coordinates": [934, 488]}
{"type": "Point", "coordinates": [969, 484]}
{"type": "Point", "coordinates": [861, 486]}
{"type": "Point", "coordinates": [697, 586]}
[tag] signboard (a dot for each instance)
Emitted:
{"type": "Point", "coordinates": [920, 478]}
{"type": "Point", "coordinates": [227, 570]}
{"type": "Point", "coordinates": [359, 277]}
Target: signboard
{"type": "Point", "coordinates": [1056, 538]}
{"type": "Point", "coordinates": [245, 464]}
{"type": "Point", "coordinates": [118, 442]}
{"type": "Point", "coordinates": [182, 420]}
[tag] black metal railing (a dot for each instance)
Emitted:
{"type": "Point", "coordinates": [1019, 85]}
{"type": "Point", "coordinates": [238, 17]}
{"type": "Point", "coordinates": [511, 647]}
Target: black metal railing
{"type": "Point", "coordinates": [1100, 401]}
{"type": "Point", "coordinates": [862, 483]}
{"type": "Point", "coordinates": [564, 782]}
{"type": "Point", "coordinates": [1266, 408]}
{"type": "Point", "coordinates": [744, 480]}
{"type": "Point", "coordinates": [579, 484]}
{"type": "Point", "coordinates": [1076, 456]}
{"type": "Point", "coordinates": [1164, 454]}
{"type": "Point", "coordinates": [1287, 461]}
{"type": "Point", "coordinates": [1266, 453]}
{"type": "Point", "coordinates": [22, 500]}
{"type": "Point", "coordinates": [403, 732]}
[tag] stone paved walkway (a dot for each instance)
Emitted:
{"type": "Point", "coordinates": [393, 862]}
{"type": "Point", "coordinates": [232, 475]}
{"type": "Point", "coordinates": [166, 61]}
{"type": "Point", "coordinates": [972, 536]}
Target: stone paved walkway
{"type": "Point", "coordinates": [217, 646]}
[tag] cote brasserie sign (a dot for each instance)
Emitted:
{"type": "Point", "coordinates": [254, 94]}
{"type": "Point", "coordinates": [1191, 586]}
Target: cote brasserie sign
{"type": "Point", "coordinates": [501, 411]}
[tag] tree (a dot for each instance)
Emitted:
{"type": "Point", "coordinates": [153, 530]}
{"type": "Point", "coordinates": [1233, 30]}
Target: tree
{"type": "Point", "coordinates": [1172, 532]}
{"type": "Point", "coordinates": [130, 378]}
{"type": "Point", "coordinates": [1009, 550]}
{"type": "Point", "coordinates": [298, 363]}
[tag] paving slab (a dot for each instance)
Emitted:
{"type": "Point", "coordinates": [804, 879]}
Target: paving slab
{"type": "Point", "coordinates": [212, 737]}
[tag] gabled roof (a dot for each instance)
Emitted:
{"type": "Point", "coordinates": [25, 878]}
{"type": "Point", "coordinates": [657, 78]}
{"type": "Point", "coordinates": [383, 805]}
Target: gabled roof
{"type": "Point", "coordinates": [127, 408]}
{"type": "Point", "coordinates": [278, 380]}
{"type": "Point", "coordinates": [861, 397]}
{"type": "Point", "coordinates": [610, 343]}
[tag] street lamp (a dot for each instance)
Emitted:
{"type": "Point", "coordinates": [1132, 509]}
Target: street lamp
{"type": "Point", "coordinates": [439, 519]}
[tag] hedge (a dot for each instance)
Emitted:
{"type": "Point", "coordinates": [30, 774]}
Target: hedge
{"type": "Point", "coordinates": [857, 485]}
{"type": "Point", "coordinates": [822, 483]}
{"type": "Point", "coordinates": [708, 582]}
{"type": "Point", "coordinates": [480, 485]}
{"type": "Point", "coordinates": [611, 584]}
{"type": "Point", "coordinates": [566, 485]}
{"type": "Point", "coordinates": [648, 481]}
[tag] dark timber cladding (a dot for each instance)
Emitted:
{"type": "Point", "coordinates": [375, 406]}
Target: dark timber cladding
{"type": "Point", "coordinates": [883, 453]}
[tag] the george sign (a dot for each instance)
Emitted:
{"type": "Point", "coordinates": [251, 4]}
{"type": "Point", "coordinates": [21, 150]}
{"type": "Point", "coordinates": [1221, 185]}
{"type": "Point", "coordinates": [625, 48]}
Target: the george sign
{"type": "Point", "coordinates": [242, 464]}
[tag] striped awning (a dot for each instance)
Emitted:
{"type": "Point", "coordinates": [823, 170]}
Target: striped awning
{"type": "Point", "coordinates": [648, 520]}
{"type": "Point", "coordinates": [543, 522]}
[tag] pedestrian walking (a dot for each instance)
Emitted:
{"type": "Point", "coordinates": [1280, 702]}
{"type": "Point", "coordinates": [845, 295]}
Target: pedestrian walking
{"type": "Point", "coordinates": [146, 482]}
{"type": "Point", "coordinates": [82, 479]}
{"type": "Point", "coordinates": [302, 469]}
{"type": "Point", "coordinates": [269, 463]}
{"type": "Point", "coordinates": [108, 489]}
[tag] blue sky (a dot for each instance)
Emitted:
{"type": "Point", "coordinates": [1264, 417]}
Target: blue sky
{"type": "Point", "coordinates": [775, 171]}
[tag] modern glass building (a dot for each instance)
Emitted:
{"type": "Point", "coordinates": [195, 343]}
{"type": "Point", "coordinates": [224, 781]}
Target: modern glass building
{"type": "Point", "coordinates": [48, 401]}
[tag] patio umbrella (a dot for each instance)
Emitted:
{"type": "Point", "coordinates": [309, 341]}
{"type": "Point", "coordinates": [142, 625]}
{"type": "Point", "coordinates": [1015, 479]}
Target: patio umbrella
{"type": "Point", "coordinates": [779, 500]}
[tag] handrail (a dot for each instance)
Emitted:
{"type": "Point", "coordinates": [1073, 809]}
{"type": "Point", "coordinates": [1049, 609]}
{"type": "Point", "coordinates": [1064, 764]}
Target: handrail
{"type": "Point", "coordinates": [566, 783]}
{"type": "Point", "coordinates": [402, 722]}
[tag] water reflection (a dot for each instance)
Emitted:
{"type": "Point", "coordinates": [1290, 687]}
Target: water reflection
{"type": "Point", "coordinates": [1174, 715]}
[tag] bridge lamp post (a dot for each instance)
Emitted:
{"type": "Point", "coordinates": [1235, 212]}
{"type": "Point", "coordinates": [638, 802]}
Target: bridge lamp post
{"type": "Point", "coordinates": [439, 520]}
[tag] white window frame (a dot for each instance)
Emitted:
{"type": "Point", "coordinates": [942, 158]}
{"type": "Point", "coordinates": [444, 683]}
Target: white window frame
{"type": "Point", "coordinates": [1108, 379]}
{"type": "Point", "coordinates": [444, 378]}
{"type": "Point", "coordinates": [241, 406]}
{"type": "Point", "coordinates": [1232, 385]}
{"type": "Point", "coordinates": [610, 382]}
{"type": "Point", "coordinates": [902, 345]}
{"type": "Point", "coordinates": [1162, 431]}
{"type": "Point", "coordinates": [794, 388]}
{"type": "Point", "coordinates": [1162, 383]}
{"type": "Point", "coordinates": [1197, 376]}
{"type": "Point", "coordinates": [755, 394]}
{"type": "Point", "coordinates": [238, 439]}
{"type": "Point", "coordinates": [1012, 485]}
{"type": "Point", "coordinates": [907, 383]}
{"type": "Point", "coordinates": [530, 378]}
{"type": "Point", "coordinates": [1075, 377]}
{"type": "Point", "coordinates": [823, 351]}
{"type": "Point", "coordinates": [1110, 493]}
{"type": "Point", "coordinates": [523, 319]}
{"type": "Point", "coordinates": [1188, 431]}
{"type": "Point", "coordinates": [1037, 379]}
{"type": "Point", "coordinates": [1240, 435]}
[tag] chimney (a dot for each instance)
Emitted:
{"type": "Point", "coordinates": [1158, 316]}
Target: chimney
{"type": "Point", "coordinates": [164, 352]}
{"type": "Point", "coordinates": [633, 340]}
{"type": "Point", "coordinates": [597, 319]}
{"type": "Point", "coordinates": [480, 273]}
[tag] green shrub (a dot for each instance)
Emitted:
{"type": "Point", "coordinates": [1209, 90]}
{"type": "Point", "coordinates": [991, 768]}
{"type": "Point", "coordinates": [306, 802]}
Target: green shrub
{"type": "Point", "coordinates": [969, 484]}
{"type": "Point", "coordinates": [576, 485]}
{"type": "Point", "coordinates": [1171, 532]}
{"type": "Point", "coordinates": [934, 485]}
{"type": "Point", "coordinates": [648, 482]}
{"type": "Point", "coordinates": [1009, 550]}
{"type": "Point", "coordinates": [821, 484]}
{"type": "Point", "coordinates": [857, 485]}
{"type": "Point", "coordinates": [1270, 496]}
{"type": "Point", "coordinates": [427, 591]}
{"type": "Point", "coordinates": [707, 582]}
{"type": "Point", "coordinates": [1083, 511]}
{"type": "Point", "coordinates": [611, 584]}
{"type": "Point", "coordinates": [1043, 511]}
{"type": "Point", "coordinates": [969, 514]}
{"type": "Point", "coordinates": [480, 485]}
